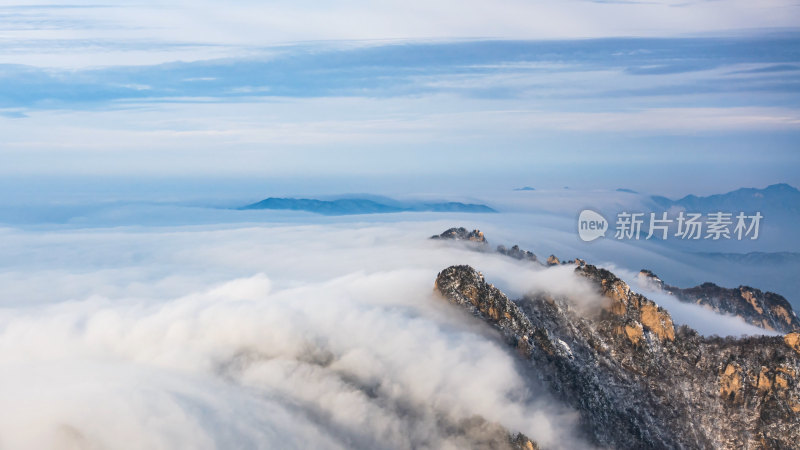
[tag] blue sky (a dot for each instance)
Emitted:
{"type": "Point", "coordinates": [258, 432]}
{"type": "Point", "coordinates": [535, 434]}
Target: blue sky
{"type": "Point", "coordinates": [668, 97]}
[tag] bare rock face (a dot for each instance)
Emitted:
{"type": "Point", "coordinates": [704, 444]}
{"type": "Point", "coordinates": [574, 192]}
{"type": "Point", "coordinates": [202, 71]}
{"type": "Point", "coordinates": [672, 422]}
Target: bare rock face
{"type": "Point", "coordinates": [516, 253]}
{"type": "Point", "coordinates": [762, 309]}
{"type": "Point", "coordinates": [630, 306]}
{"type": "Point", "coordinates": [793, 341]}
{"type": "Point", "coordinates": [462, 234]}
{"type": "Point", "coordinates": [636, 380]}
{"type": "Point", "coordinates": [552, 260]}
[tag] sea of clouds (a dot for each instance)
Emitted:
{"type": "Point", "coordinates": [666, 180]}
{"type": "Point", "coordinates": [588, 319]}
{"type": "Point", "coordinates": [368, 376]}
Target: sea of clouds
{"type": "Point", "coordinates": [284, 334]}
{"type": "Point", "coordinates": [252, 337]}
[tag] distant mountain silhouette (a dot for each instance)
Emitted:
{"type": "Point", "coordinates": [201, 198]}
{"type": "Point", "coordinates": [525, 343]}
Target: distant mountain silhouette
{"type": "Point", "coordinates": [348, 206]}
{"type": "Point", "coordinates": [779, 198]}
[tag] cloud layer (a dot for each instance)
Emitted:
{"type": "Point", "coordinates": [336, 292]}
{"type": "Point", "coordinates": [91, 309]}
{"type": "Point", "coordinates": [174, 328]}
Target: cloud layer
{"type": "Point", "coordinates": [251, 337]}
{"type": "Point", "coordinates": [582, 111]}
{"type": "Point", "coordinates": [87, 33]}
{"type": "Point", "coordinates": [248, 336]}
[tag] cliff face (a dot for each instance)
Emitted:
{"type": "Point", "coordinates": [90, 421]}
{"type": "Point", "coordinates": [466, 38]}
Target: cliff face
{"type": "Point", "coordinates": [762, 309]}
{"type": "Point", "coordinates": [636, 379]}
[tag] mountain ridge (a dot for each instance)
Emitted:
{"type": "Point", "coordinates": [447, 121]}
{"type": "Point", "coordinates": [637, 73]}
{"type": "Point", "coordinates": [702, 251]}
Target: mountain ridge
{"type": "Point", "coordinates": [766, 310]}
{"type": "Point", "coordinates": [636, 380]}
{"type": "Point", "coordinates": [779, 196]}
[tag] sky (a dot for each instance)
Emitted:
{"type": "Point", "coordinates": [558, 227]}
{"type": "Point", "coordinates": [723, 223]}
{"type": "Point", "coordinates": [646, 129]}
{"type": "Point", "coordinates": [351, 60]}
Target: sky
{"type": "Point", "coordinates": [141, 308]}
{"type": "Point", "coordinates": [451, 95]}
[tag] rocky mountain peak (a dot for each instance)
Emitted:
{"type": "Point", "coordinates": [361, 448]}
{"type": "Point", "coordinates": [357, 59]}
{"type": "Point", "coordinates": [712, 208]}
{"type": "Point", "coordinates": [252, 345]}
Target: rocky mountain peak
{"type": "Point", "coordinates": [650, 279]}
{"type": "Point", "coordinates": [636, 380]}
{"type": "Point", "coordinates": [467, 288]}
{"type": "Point", "coordinates": [638, 312]}
{"type": "Point", "coordinates": [461, 234]}
{"type": "Point", "coordinates": [517, 253]}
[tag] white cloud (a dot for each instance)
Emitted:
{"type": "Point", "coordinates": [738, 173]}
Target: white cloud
{"type": "Point", "coordinates": [239, 27]}
{"type": "Point", "coordinates": [252, 336]}
{"type": "Point", "coordinates": [350, 135]}
{"type": "Point", "coordinates": [247, 335]}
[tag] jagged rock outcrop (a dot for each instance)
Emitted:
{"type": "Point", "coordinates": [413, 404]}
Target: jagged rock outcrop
{"type": "Point", "coordinates": [763, 309]}
{"type": "Point", "coordinates": [650, 279]}
{"type": "Point", "coordinates": [466, 287]}
{"type": "Point", "coordinates": [462, 234]}
{"type": "Point", "coordinates": [517, 253]}
{"type": "Point", "coordinates": [629, 306]}
{"type": "Point", "coordinates": [636, 380]}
